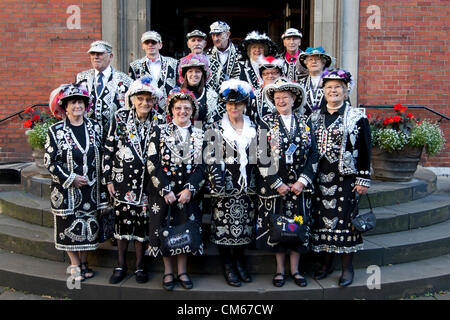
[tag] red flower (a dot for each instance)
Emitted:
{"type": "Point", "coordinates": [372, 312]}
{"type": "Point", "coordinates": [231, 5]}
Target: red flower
{"type": "Point", "coordinates": [27, 124]}
{"type": "Point", "coordinates": [400, 108]}
{"type": "Point", "coordinates": [369, 116]}
{"type": "Point", "coordinates": [30, 109]}
{"type": "Point", "coordinates": [410, 115]}
{"type": "Point", "coordinates": [36, 117]}
{"type": "Point", "coordinates": [386, 121]}
{"type": "Point", "coordinates": [397, 118]}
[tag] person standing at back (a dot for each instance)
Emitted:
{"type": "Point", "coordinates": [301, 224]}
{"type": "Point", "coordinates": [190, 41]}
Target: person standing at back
{"type": "Point", "coordinates": [160, 68]}
{"type": "Point", "coordinates": [292, 39]}
{"type": "Point", "coordinates": [107, 86]}
{"type": "Point", "coordinates": [223, 57]}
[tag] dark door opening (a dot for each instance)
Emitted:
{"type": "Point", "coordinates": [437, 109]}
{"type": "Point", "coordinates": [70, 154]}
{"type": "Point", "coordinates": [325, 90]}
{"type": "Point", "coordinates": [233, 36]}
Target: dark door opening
{"type": "Point", "coordinates": [174, 19]}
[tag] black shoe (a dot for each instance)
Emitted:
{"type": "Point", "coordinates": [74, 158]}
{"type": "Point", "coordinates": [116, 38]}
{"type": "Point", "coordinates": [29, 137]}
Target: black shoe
{"type": "Point", "coordinates": [243, 275]}
{"type": "Point", "coordinates": [323, 273]}
{"type": "Point", "coordinates": [230, 276]}
{"type": "Point", "coordinates": [118, 275]}
{"type": "Point", "coordinates": [86, 272]}
{"type": "Point", "coordinates": [169, 285]}
{"type": "Point", "coordinates": [299, 281]}
{"type": "Point", "coordinates": [187, 284]}
{"type": "Point", "coordinates": [345, 282]}
{"type": "Point", "coordinates": [141, 276]}
{"type": "Point", "coordinates": [278, 282]}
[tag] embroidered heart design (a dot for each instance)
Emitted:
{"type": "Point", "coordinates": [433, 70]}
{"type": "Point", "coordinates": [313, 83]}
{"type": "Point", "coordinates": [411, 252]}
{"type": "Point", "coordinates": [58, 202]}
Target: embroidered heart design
{"type": "Point", "coordinates": [236, 231]}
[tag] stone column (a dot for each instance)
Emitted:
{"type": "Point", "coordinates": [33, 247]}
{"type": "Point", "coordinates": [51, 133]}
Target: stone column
{"type": "Point", "coordinates": [123, 23]}
{"type": "Point", "coordinates": [350, 42]}
{"type": "Point", "coordinates": [336, 28]}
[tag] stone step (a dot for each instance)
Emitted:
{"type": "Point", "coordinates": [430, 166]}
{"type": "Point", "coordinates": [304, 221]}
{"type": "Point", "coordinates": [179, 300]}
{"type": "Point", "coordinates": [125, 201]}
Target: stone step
{"type": "Point", "coordinates": [429, 210]}
{"type": "Point", "coordinates": [27, 207]}
{"type": "Point", "coordinates": [44, 277]}
{"type": "Point", "coordinates": [385, 249]}
{"type": "Point", "coordinates": [381, 193]}
{"type": "Point", "coordinates": [10, 173]}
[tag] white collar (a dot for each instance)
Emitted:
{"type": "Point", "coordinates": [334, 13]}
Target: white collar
{"type": "Point", "coordinates": [157, 60]}
{"type": "Point", "coordinates": [106, 73]}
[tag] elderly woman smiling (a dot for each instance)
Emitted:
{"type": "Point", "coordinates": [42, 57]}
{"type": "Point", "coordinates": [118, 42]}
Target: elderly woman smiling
{"type": "Point", "coordinates": [284, 180]}
{"type": "Point", "coordinates": [344, 144]}
{"type": "Point", "coordinates": [177, 176]}
{"type": "Point", "coordinates": [73, 159]}
{"type": "Point", "coordinates": [125, 172]}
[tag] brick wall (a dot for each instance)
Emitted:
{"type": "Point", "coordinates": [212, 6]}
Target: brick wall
{"type": "Point", "coordinates": [407, 60]}
{"type": "Point", "coordinates": [38, 53]}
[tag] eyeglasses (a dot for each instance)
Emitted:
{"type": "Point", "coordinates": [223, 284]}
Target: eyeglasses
{"type": "Point", "coordinates": [270, 73]}
{"type": "Point", "coordinates": [178, 109]}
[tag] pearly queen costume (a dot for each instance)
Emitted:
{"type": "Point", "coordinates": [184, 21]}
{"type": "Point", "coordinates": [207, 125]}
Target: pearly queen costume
{"type": "Point", "coordinates": [124, 165]}
{"type": "Point", "coordinates": [344, 146]}
{"type": "Point", "coordinates": [174, 163]}
{"type": "Point", "coordinates": [287, 154]}
{"type": "Point", "coordinates": [67, 155]}
{"type": "Point", "coordinates": [314, 92]}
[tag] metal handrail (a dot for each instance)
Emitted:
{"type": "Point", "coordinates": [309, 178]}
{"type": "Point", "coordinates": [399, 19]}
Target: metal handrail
{"type": "Point", "coordinates": [20, 112]}
{"type": "Point", "coordinates": [409, 107]}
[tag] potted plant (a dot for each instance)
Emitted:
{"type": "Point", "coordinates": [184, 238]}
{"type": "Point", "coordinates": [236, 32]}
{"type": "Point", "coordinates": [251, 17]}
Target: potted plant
{"type": "Point", "coordinates": [398, 142]}
{"type": "Point", "coordinates": [37, 122]}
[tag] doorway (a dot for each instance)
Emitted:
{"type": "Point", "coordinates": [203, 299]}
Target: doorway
{"type": "Point", "coordinates": [174, 19]}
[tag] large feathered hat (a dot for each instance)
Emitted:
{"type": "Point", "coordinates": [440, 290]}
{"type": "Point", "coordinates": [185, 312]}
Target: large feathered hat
{"type": "Point", "coordinates": [337, 74]}
{"type": "Point", "coordinates": [193, 60]}
{"type": "Point", "coordinates": [235, 90]}
{"type": "Point", "coordinates": [144, 84]}
{"type": "Point", "coordinates": [60, 96]}
{"type": "Point", "coordinates": [256, 37]}
{"type": "Point", "coordinates": [270, 62]}
{"type": "Point", "coordinates": [319, 51]}
{"type": "Point", "coordinates": [181, 94]}
{"type": "Point", "coordinates": [284, 84]}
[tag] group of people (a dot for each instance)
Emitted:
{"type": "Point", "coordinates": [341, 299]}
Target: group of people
{"type": "Point", "coordinates": [240, 133]}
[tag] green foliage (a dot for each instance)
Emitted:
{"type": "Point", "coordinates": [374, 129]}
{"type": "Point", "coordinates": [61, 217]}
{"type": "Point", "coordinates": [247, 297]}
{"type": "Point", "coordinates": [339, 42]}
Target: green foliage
{"type": "Point", "coordinates": [429, 135]}
{"type": "Point", "coordinates": [38, 135]}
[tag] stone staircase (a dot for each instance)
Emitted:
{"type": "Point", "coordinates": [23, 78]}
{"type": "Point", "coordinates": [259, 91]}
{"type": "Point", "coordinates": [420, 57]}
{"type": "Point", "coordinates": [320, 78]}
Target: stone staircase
{"type": "Point", "coordinates": [410, 246]}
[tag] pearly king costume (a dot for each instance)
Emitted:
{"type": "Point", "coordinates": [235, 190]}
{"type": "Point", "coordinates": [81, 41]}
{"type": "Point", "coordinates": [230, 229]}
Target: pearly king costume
{"type": "Point", "coordinates": [292, 68]}
{"type": "Point", "coordinates": [165, 80]}
{"type": "Point", "coordinates": [289, 144]}
{"type": "Point", "coordinates": [174, 163]}
{"type": "Point", "coordinates": [67, 155]}
{"type": "Point", "coordinates": [124, 165]}
{"type": "Point", "coordinates": [107, 89]}
{"type": "Point", "coordinates": [344, 146]}
{"type": "Point", "coordinates": [221, 72]}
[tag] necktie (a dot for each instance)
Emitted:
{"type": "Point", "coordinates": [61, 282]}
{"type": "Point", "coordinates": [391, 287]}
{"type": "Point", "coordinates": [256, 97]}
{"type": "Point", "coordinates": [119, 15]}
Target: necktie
{"type": "Point", "coordinates": [99, 84]}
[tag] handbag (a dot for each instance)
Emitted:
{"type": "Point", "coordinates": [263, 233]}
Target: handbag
{"type": "Point", "coordinates": [179, 239]}
{"type": "Point", "coordinates": [106, 220]}
{"type": "Point", "coordinates": [366, 221]}
{"type": "Point", "coordinates": [283, 229]}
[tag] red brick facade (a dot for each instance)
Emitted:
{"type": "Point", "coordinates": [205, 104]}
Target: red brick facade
{"type": "Point", "coordinates": [407, 60]}
{"type": "Point", "coordinates": [37, 53]}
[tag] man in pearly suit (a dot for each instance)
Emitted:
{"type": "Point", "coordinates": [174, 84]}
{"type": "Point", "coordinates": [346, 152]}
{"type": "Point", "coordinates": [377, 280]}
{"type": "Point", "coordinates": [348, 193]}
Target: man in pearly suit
{"type": "Point", "coordinates": [162, 69]}
{"type": "Point", "coordinates": [106, 85]}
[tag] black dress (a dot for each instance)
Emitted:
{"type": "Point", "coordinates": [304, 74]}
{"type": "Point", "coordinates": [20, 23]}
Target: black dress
{"type": "Point", "coordinates": [174, 164]}
{"type": "Point", "coordinates": [277, 141]}
{"type": "Point", "coordinates": [124, 165]}
{"type": "Point", "coordinates": [233, 208]}
{"type": "Point", "coordinates": [70, 151]}
{"type": "Point", "coordinates": [344, 146]}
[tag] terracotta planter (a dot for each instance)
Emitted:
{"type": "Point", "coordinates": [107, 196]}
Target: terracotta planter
{"type": "Point", "coordinates": [395, 166]}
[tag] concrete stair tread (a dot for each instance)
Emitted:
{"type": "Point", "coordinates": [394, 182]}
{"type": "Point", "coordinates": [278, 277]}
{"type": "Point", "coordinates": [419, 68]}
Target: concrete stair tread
{"type": "Point", "coordinates": [25, 199]}
{"type": "Point", "coordinates": [399, 247]}
{"type": "Point", "coordinates": [48, 277]}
